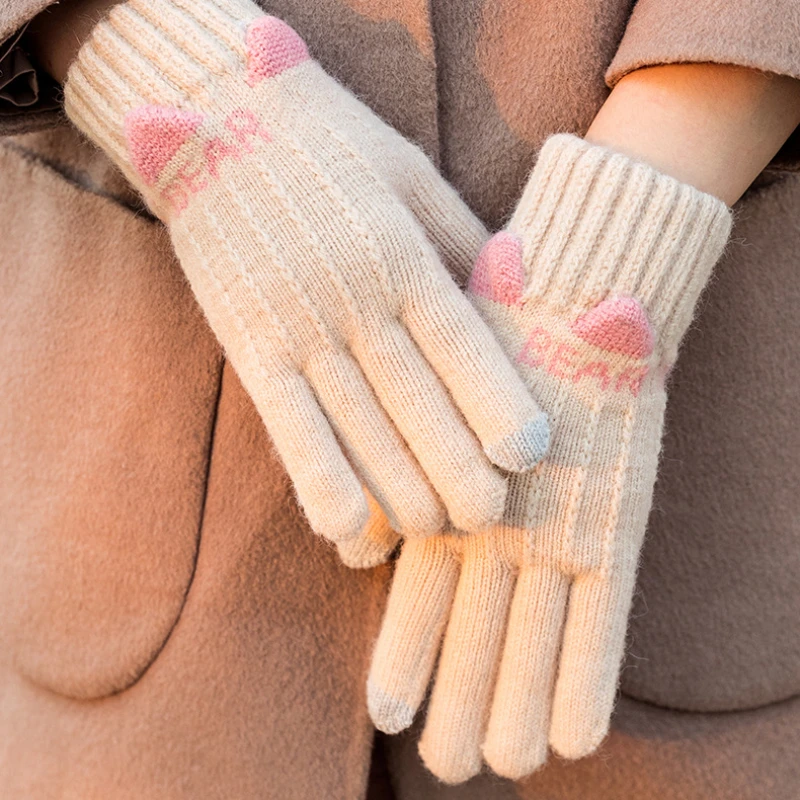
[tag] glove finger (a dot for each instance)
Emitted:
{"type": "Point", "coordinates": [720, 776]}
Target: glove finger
{"type": "Point", "coordinates": [486, 388]}
{"type": "Point", "coordinates": [327, 488]}
{"type": "Point", "coordinates": [591, 655]}
{"type": "Point", "coordinates": [419, 603]}
{"type": "Point", "coordinates": [516, 740]}
{"type": "Point", "coordinates": [472, 490]}
{"type": "Point", "coordinates": [605, 551]}
{"type": "Point", "coordinates": [451, 741]}
{"type": "Point", "coordinates": [456, 233]}
{"type": "Point", "coordinates": [374, 544]}
{"type": "Point", "coordinates": [377, 451]}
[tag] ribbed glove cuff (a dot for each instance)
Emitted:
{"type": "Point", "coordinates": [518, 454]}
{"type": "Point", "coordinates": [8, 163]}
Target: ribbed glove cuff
{"type": "Point", "coordinates": [176, 55]}
{"type": "Point", "coordinates": [596, 223]}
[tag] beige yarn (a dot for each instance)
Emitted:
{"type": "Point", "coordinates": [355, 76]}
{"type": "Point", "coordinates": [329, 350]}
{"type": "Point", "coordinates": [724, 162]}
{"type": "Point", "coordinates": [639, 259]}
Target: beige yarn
{"type": "Point", "coordinates": [314, 236]}
{"type": "Point", "coordinates": [590, 289]}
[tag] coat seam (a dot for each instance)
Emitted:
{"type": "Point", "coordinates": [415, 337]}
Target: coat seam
{"type": "Point", "coordinates": [198, 540]}
{"type": "Point", "coordinates": [707, 712]}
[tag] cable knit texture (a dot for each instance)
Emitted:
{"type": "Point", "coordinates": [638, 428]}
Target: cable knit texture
{"type": "Point", "coordinates": [590, 290]}
{"type": "Point", "coordinates": [315, 239]}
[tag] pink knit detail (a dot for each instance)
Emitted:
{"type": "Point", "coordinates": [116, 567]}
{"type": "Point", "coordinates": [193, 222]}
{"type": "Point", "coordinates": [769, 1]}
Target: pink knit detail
{"type": "Point", "coordinates": [498, 274]}
{"type": "Point", "coordinates": [155, 134]}
{"type": "Point", "coordinates": [545, 349]}
{"type": "Point", "coordinates": [272, 47]}
{"type": "Point", "coordinates": [617, 325]}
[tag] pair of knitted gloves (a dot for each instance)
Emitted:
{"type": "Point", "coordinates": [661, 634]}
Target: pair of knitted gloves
{"type": "Point", "coordinates": [320, 245]}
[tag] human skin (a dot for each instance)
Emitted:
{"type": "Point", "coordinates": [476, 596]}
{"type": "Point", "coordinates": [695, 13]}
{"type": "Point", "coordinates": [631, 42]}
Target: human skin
{"type": "Point", "coordinates": [56, 35]}
{"type": "Point", "coordinates": [714, 126]}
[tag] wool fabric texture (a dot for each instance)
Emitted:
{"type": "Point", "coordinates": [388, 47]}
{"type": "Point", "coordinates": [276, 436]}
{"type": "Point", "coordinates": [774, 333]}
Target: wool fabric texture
{"type": "Point", "coordinates": [315, 239]}
{"type": "Point", "coordinates": [590, 289]}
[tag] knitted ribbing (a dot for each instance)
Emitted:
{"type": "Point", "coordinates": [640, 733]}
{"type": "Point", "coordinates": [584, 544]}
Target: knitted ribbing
{"type": "Point", "coordinates": [590, 289]}
{"type": "Point", "coordinates": [597, 224]}
{"type": "Point", "coordinates": [311, 234]}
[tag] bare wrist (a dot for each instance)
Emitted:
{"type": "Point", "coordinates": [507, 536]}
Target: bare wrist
{"type": "Point", "coordinates": [712, 126]}
{"type": "Point", "coordinates": [56, 35]}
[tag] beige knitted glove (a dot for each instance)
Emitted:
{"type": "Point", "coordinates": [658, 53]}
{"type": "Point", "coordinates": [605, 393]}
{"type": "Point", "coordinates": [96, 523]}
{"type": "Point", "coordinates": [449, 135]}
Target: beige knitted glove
{"type": "Point", "coordinates": [590, 289]}
{"type": "Point", "coordinates": [309, 231]}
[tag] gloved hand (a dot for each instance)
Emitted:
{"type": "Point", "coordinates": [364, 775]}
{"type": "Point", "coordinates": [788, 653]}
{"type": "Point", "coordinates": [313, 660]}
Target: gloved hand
{"type": "Point", "coordinates": [590, 290]}
{"type": "Point", "coordinates": [309, 232]}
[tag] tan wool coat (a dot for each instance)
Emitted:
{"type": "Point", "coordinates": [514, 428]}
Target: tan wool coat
{"type": "Point", "coordinates": [169, 627]}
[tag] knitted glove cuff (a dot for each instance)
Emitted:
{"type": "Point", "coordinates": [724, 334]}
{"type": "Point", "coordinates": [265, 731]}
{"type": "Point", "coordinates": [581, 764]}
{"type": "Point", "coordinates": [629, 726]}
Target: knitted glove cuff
{"type": "Point", "coordinates": [171, 60]}
{"type": "Point", "coordinates": [594, 223]}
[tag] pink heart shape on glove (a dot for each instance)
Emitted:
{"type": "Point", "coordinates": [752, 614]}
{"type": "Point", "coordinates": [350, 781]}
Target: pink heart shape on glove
{"type": "Point", "coordinates": [498, 274]}
{"type": "Point", "coordinates": [272, 47]}
{"type": "Point", "coordinates": [155, 134]}
{"type": "Point", "coordinates": [617, 325]}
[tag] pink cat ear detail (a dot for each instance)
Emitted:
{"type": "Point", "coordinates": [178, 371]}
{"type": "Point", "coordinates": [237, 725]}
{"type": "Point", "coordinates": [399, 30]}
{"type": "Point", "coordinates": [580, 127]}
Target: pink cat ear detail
{"type": "Point", "coordinates": [498, 274]}
{"type": "Point", "coordinates": [617, 325]}
{"type": "Point", "coordinates": [272, 47]}
{"type": "Point", "coordinates": [155, 134]}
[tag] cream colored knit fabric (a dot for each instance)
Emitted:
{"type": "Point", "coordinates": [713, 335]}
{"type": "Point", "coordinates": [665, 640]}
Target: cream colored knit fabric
{"type": "Point", "coordinates": [590, 289]}
{"type": "Point", "coordinates": [313, 236]}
